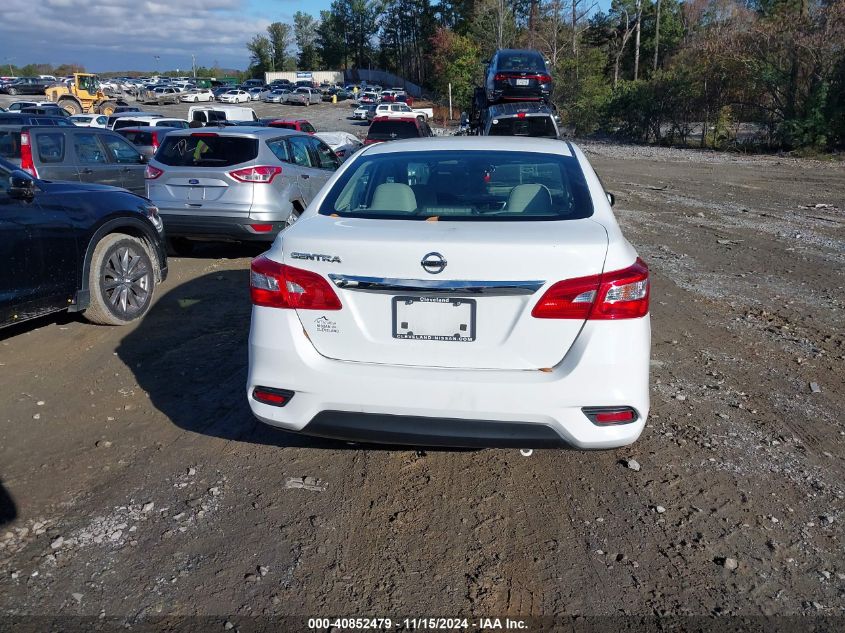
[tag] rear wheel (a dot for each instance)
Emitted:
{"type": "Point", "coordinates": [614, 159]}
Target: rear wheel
{"type": "Point", "coordinates": [13, 91]}
{"type": "Point", "coordinates": [70, 106]}
{"type": "Point", "coordinates": [107, 108]}
{"type": "Point", "coordinates": [121, 280]}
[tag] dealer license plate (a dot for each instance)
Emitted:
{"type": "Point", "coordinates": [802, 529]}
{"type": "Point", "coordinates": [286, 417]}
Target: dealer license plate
{"type": "Point", "coordinates": [434, 319]}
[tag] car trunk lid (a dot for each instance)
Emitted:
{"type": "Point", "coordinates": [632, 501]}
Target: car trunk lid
{"type": "Point", "coordinates": [474, 313]}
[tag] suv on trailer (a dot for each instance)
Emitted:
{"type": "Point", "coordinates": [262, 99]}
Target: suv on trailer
{"type": "Point", "coordinates": [235, 183]}
{"type": "Point", "coordinates": [519, 119]}
{"type": "Point", "coordinates": [517, 75]}
{"type": "Point", "coordinates": [76, 247]}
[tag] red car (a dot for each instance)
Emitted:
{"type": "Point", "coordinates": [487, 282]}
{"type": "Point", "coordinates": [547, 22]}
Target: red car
{"type": "Point", "coordinates": [405, 98]}
{"type": "Point", "coordinates": [384, 128]}
{"type": "Point", "coordinates": [300, 125]}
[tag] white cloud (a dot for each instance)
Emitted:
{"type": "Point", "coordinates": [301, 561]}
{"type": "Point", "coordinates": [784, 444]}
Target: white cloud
{"type": "Point", "coordinates": [125, 34]}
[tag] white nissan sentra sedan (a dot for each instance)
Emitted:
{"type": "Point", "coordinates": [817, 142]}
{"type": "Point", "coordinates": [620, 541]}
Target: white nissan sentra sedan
{"type": "Point", "coordinates": [467, 292]}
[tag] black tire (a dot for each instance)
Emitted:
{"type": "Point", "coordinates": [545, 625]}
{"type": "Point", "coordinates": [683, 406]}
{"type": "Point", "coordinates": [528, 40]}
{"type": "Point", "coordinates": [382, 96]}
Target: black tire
{"type": "Point", "coordinates": [180, 246]}
{"type": "Point", "coordinates": [121, 280]}
{"type": "Point", "coordinates": [107, 108]}
{"type": "Point", "coordinates": [70, 106]}
{"type": "Point", "coordinates": [13, 91]}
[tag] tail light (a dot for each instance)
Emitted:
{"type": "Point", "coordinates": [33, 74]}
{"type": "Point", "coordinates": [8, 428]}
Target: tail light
{"type": "Point", "coordinates": [544, 79]}
{"type": "Point", "coordinates": [500, 77]}
{"type": "Point", "coordinates": [621, 294]}
{"type": "Point", "coordinates": [155, 142]}
{"type": "Point", "coordinates": [260, 174]}
{"type": "Point", "coordinates": [151, 173]}
{"type": "Point", "coordinates": [274, 285]}
{"type": "Point", "coordinates": [27, 164]}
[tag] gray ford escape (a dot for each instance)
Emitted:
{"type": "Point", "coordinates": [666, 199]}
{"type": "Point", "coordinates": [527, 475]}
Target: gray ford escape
{"type": "Point", "coordinates": [235, 183]}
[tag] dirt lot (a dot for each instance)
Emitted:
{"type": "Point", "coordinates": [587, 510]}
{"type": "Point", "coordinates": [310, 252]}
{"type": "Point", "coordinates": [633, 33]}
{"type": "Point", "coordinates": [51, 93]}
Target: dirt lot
{"type": "Point", "coordinates": [142, 486]}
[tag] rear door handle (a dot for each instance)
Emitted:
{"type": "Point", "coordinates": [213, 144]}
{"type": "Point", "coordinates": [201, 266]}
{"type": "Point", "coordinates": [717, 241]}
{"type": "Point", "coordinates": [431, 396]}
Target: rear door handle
{"type": "Point", "coordinates": [304, 176]}
{"type": "Point", "coordinates": [126, 169]}
{"type": "Point", "coordinates": [87, 170]}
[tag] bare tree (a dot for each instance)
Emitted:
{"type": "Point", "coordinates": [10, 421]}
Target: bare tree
{"type": "Point", "coordinates": [622, 38]}
{"type": "Point", "coordinates": [639, 7]}
{"type": "Point", "coordinates": [656, 35]}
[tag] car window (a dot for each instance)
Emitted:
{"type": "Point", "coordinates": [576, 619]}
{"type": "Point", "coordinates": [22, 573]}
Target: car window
{"type": "Point", "coordinates": [121, 151]}
{"type": "Point", "coordinates": [206, 150]}
{"type": "Point", "coordinates": [51, 147]}
{"type": "Point", "coordinates": [542, 126]}
{"type": "Point", "coordinates": [279, 149]}
{"type": "Point", "coordinates": [88, 149]}
{"type": "Point", "coordinates": [307, 127]}
{"type": "Point", "coordinates": [495, 186]}
{"type": "Point", "coordinates": [168, 123]}
{"type": "Point", "coordinates": [326, 158]}
{"type": "Point", "coordinates": [299, 148]}
{"type": "Point", "coordinates": [10, 144]}
{"type": "Point", "coordinates": [101, 120]}
{"type": "Point", "coordinates": [390, 130]}
{"type": "Point", "coordinates": [521, 62]}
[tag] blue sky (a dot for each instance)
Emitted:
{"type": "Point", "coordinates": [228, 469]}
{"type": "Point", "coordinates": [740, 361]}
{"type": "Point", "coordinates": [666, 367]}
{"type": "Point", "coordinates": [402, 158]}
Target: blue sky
{"type": "Point", "coordinates": [128, 34]}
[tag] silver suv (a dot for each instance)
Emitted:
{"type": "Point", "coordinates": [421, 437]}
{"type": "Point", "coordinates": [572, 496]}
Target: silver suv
{"type": "Point", "coordinates": [235, 183]}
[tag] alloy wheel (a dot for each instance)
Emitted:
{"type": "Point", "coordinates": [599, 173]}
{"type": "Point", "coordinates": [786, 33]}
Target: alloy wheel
{"type": "Point", "coordinates": [126, 281]}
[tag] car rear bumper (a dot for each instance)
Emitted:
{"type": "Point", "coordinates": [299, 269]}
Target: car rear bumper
{"type": "Point", "coordinates": [608, 366]}
{"type": "Point", "coordinates": [216, 227]}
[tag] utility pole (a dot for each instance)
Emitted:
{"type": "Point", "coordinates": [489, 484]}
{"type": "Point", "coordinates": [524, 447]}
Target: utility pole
{"type": "Point", "coordinates": [157, 57]}
{"type": "Point", "coordinates": [194, 62]}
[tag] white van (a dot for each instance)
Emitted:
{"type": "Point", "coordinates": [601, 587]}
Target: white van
{"type": "Point", "coordinates": [213, 114]}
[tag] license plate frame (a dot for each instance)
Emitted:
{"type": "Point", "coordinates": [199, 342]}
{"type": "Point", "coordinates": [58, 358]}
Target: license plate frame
{"type": "Point", "coordinates": [403, 331]}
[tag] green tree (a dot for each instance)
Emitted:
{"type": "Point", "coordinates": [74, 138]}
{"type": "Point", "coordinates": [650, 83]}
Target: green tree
{"type": "Point", "coordinates": [305, 34]}
{"type": "Point", "coordinates": [261, 55]}
{"type": "Point", "coordinates": [455, 60]}
{"type": "Point", "coordinates": [279, 35]}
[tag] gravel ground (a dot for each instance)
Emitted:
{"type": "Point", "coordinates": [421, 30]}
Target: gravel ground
{"type": "Point", "coordinates": [142, 486]}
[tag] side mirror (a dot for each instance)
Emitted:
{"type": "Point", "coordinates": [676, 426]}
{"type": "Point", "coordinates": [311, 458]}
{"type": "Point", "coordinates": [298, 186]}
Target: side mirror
{"type": "Point", "coordinates": [610, 198]}
{"type": "Point", "coordinates": [21, 186]}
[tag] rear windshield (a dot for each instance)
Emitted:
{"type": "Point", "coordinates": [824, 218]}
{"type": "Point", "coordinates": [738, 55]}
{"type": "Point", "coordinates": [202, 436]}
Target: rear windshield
{"type": "Point", "coordinates": [493, 186]}
{"type": "Point", "coordinates": [10, 144]}
{"type": "Point", "coordinates": [138, 138]}
{"type": "Point", "coordinates": [202, 150]}
{"type": "Point", "coordinates": [390, 130]}
{"type": "Point", "coordinates": [528, 126]}
{"type": "Point", "coordinates": [521, 62]}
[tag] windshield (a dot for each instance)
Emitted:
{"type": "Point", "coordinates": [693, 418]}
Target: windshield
{"type": "Point", "coordinates": [206, 150]}
{"type": "Point", "coordinates": [528, 126]}
{"type": "Point", "coordinates": [494, 186]}
{"type": "Point", "coordinates": [391, 130]}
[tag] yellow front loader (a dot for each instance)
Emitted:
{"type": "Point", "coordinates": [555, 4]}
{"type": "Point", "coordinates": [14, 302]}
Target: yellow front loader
{"type": "Point", "coordinates": [83, 96]}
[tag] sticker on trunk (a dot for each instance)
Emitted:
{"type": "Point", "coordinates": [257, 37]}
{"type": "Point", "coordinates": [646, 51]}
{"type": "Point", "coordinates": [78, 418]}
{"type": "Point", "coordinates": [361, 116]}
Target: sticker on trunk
{"type": "Point", "coordinates": [326, 325]}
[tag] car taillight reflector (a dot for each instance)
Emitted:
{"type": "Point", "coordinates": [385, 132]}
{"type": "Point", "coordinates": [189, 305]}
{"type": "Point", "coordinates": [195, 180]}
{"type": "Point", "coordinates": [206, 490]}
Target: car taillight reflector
{"type": "Point", "coordinates": [27, 164]}
{"type": "Point", "coordinates": [262, 228]}
{"type": "Point", "coordinates": [259, 174]}
{"type": "Point", "coordinates": [271, 396]}
{"type": "Point", "coordinates": [610, 415]}
{"type": "Point", "coordinates": [151, 173]}
{"type": "Point", "coordinates": [621, 294]}
{"type": "Point", "coordinates": [274, 285]}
